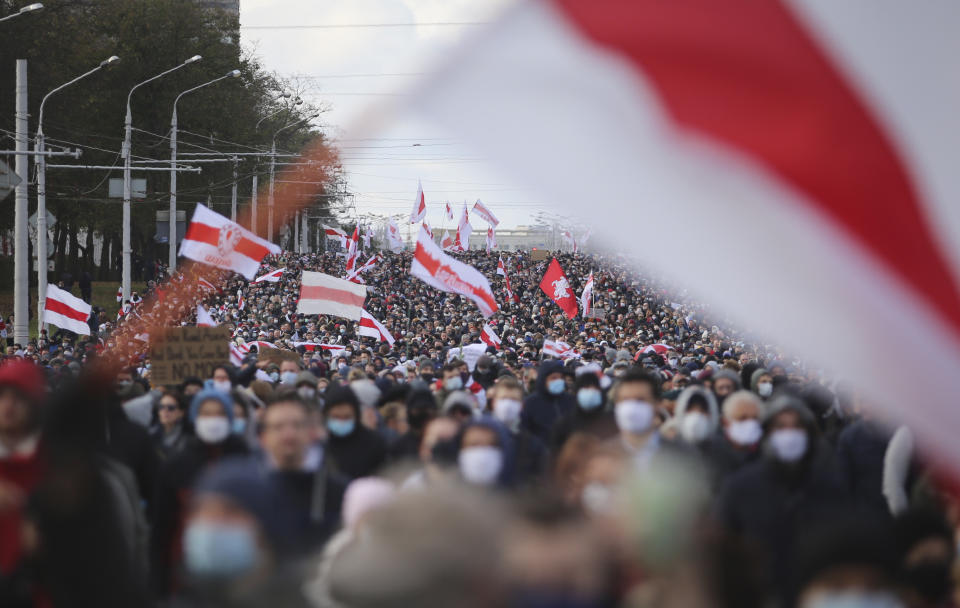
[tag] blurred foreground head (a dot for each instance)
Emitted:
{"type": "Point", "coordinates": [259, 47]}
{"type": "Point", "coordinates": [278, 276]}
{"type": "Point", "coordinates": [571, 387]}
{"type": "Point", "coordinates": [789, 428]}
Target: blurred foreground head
{"type": "Point", "coordinates": [428, 549]}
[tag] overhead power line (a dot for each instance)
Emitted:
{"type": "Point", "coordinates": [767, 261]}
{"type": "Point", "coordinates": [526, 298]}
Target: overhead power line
{"type": "Point", "coordinates": [337, 26]}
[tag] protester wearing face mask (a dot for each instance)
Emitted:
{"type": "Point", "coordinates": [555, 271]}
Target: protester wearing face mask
{"type": "Point", "coordinates": [354, 450]}
{"type": "Point", "coordinates": [505, 400]}
{"type": "Point", "coordinates": [697, 417]}
{"type": "Point", "coordinates": [794, 487]}
{"type": "Point", "coordinates": [307, 387]}
{"type": "Point", "coordinates": [235, 538]}
{"type": "Point", "coordinates": [549, 402]}
{"type": "Point", "coordinates": [485, 454]}
{"type": "Point", "coordinates": [738, 443]}
{"type": "Point", "coordinates": [590, 415]}
{"type": "Point", "coordinates": [170, 434]}
{"type": "Point", "coordinates": [635, 396]}
{"type": "Point", "coordinates": [222, 379]}
{"type": "Point", "coordinates": [211, 414]}
{"type": "Point", "coordinates": [289, 369]}
{"type": "Point", "coordinates": [761, 382]}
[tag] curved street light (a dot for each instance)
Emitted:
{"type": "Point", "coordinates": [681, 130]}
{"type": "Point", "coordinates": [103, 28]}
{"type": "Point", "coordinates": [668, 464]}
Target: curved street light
{"type": "Point", "coordinates": [30, 8]}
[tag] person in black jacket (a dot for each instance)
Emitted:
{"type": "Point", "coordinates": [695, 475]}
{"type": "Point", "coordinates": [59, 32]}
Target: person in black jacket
{"type": "Point", "coordinates": [861, 447]}
{"type": "Point", "coordinates": [589, 416]}
{"type": "Point", "coordinates": [530, 453]}
{"type": "Point", "coordinates": [793, 488]}
{"type": "Point", "coordinates": [549, 402]}
{"type": "Point", "coordinates": [354, 450]}
{"type": "Point", "coordinates": [301, 469]}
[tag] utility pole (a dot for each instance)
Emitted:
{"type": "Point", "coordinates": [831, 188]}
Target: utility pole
{"type": "Point", "coordinates": [253, 207]}
{"type": "Point", "coordinates": [21, 280]}
{"type": "Point", "coordinates": [233, 193]}
{"type": "Point", "coordinates": [273, 164]}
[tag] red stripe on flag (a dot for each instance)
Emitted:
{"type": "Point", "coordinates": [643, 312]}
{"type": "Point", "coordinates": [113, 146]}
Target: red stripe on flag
{"type": "Point", "coordinates": [318, 292]}
{"type": "Point", "coordinates": [61, 308]}
{"type": "Point", "coordinates": [433, 266]}
{"type": "Point", "coordinates": [755, 97]}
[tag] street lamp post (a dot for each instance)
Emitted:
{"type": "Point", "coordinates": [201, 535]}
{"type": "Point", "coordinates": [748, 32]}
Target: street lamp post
{"type": "Point", "coordinates": [127, 132]}
{"type": "Point", "coordinates": [273, 164]}
{"type": "Point", "coordinates": [172, 256]}
{"type": "Point", "coordinates": [41, 163]}
{"type": "Point", "coordinates": [30, 8]}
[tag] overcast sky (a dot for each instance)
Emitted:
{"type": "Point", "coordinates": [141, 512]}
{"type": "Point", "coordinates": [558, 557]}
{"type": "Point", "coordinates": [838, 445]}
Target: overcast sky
{"type": "Point", "coordinates": [351, 67]}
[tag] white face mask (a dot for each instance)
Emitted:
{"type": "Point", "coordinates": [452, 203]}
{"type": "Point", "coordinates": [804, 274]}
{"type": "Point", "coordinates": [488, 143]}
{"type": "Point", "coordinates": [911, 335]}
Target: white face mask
{"type": "Point", "coordinates": [745, 432]}
{"type": "Point", "coordinates": [597, 497]}
{"type": "Point", "coordinates": [223, 386]}
{"type": "Point", "coordinates": [854, 599]}
{"type": "Point", "coordinates": [212, 429]}
{"type": "Point", "coordinates": [307, 392]}
{"type": "Point", "coordinates": [480, 465]}
{"type": "Point", "coordinates": [633, 415]}
{"type": "Point", "coordinates": [507, 411]}
{"type": "Point", "coordinates": [695, 427]}
{"type": "Point", "coordinates": [765, 389]}
{"type": "Point", "coordinates": [788, 445]}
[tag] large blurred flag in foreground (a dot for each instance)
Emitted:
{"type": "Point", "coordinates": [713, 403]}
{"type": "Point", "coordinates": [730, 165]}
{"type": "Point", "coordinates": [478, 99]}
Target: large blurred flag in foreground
{"type": "Point", "coordinates": [813, 143]}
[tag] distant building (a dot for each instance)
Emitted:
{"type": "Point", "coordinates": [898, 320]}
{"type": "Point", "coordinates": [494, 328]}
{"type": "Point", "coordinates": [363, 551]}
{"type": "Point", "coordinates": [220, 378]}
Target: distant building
{"type": "Point", "coordinates": [228, 6]}
{"type": "Point", "coordinates": [521, 238]}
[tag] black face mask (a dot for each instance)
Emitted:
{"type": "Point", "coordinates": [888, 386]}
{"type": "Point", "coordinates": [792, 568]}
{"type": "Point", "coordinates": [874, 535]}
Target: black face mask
{"type": "Point", "coordinates": [930, 579]}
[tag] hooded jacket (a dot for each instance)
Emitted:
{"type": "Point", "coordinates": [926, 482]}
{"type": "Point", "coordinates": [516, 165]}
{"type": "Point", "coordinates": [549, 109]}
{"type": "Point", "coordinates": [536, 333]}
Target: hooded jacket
{"type": "Point", "coordinates": [508, 474]}
{"type": "Point", "coordinates": [541, 410]}
{"type": "Point", "coordinates": [359, 453]}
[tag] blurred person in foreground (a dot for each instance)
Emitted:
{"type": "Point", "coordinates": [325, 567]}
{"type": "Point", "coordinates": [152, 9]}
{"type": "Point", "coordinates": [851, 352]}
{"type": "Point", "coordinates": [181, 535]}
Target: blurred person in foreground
{"type": "Point", "coordinates": [211, 413]}
{"type": "Point", "coordinates": [233, 542]}
{"type": "Point", "coordinates": [300, 468]}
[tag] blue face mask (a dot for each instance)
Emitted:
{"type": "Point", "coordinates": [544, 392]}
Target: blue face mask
{"type": "Point", "coordinates": [341, 428]}
{"type": "Point", "coordinates": [288, 377]}
{"type": "Point", "coordinates": [556, 386]}
{"type": "Point", "coordinates": [239, 425]}
{"type": "Point", "coordinates": [589, 398]}
{"type": "Point", "coordinates": [218, 550]}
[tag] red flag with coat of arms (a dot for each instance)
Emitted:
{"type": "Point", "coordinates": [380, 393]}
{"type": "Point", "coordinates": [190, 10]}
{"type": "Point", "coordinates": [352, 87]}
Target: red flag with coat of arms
{"type": "Point", "coordinates": [557, 288]}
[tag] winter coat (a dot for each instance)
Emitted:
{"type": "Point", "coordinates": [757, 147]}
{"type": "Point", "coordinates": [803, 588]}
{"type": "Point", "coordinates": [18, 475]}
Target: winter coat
{"type": "Point", "coordinates": [541, 410]}
{"type": "Point", "coordinates": [359, 454]}
{"type": "Point", "coordinates": [860, 452]}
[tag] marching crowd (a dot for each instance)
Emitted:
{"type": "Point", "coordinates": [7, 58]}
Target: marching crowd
{"type": "Point", "coordinates": [665, 459]}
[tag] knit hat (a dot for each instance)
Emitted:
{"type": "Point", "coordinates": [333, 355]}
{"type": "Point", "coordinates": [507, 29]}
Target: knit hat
{"type": "Point", "coordinates": [306, 378]}
{"type": "Point", "coordinates": [337, 394]}
{"type": "Point", "coordinates": [24, 377]}
{"type": "Point", "coordinates": [210, 394]}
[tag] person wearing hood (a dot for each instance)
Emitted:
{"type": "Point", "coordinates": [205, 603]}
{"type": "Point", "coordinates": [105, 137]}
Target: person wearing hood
{"type": "Point", "coordinates": [307, 388]}
{"type": "Point", "coordinates": [234, 539]}
{"type": "Point", "coordinates": [795, 487]}
{"type": "Point", "coordinates": [354, 450]}
{"type": "Point", "coordinates": [461, 406]}
{"type": "Point", "coordinates": [590, 415]}
{"type": "Point", "coordinates": [486, 454]}
{"type": "Point", "coordinates": [697, 416]}
{"type": "Point", "coordinates": [486, 371]}
{"type": "Point", "coordinates": [761, 382]}
{"type": "Point", "coordinates": [549, 402]}
{"type": "Point", "coordinates": [506, 402]}
{"type": "Point", "coordinates": [211, 414]}
{"type": "Point", "coordinates": [421, 409]}
{"type": "Point", "coordinates": [725, 383]}
{"type": "Point", "coordinates": [738, 442]}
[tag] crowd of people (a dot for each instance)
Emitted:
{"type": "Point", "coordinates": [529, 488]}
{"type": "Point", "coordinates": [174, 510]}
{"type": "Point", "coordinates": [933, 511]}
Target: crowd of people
{"type": "Point", "coordinates": [668, 459]}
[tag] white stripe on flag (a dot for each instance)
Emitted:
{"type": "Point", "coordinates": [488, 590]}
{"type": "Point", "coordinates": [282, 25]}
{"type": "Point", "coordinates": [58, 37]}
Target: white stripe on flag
{"type": "Point", "coordinates": [322, 294]}
{"type": "Point", "coordinates": [66, 311]}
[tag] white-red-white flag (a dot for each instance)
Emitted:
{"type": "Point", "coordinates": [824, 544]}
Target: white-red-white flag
{"type": "Point", "coordinates": [491, 239]}
{"type": "Point", "coordinates": [203, 317]}
{"type": "Point", "coordinates": [205, 284]}
{"type": "Point", "coordinates": [449, 212]}
{"type": "Point", "coordinates": [694, 106]}
{"type": "Point", "coordinates": [559, 349]}
{"type": "Point", "coordinates": [394, 242]}
{"type": "Point", "coordinates": [66, 311]}
{"type": "Point", "coordinates": [586, 297]}
{"type": "Point", "coordinates": [241, 301]}
{"type": "Point", "coordinates": [237, 355]}
{"type": "Point", "coordinates": [315, 346]}
{"type": "Point", "coordinates": [437, 269]}
{"type": "Point", "coordinates": [119, 294]}
{"type": "Point", "coordinates": [273, 276]}
{"type": "Point", "coordinates": [336, 234]}
{"type": "Point", "coordinates": [355, 275]}
{"type": "Point", "coordinates": [322, 294]}
{"type": "Point", "coordinates": [447, 241]}
{"type": "Point", "coordinates": [419, 210]}
{"type": "Point", "coordinates": [372, 328]}
{"type": "Point", "coordinates": [489, 337]}
{"type": "Point", "coordinates": [352, 249]}
{"type": "Point", "coordinates": [214, 240]}
{"type": "Point", "coordinates": [464, 230]}
{"type": "Point", "coordinates": [501, 268]}
{"type": "Point", "coordinates": [483, 211]}
{"type": "Point", "coordinates": [426, 226]}
{"type": "Point", "coordinates": [367, 235]}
